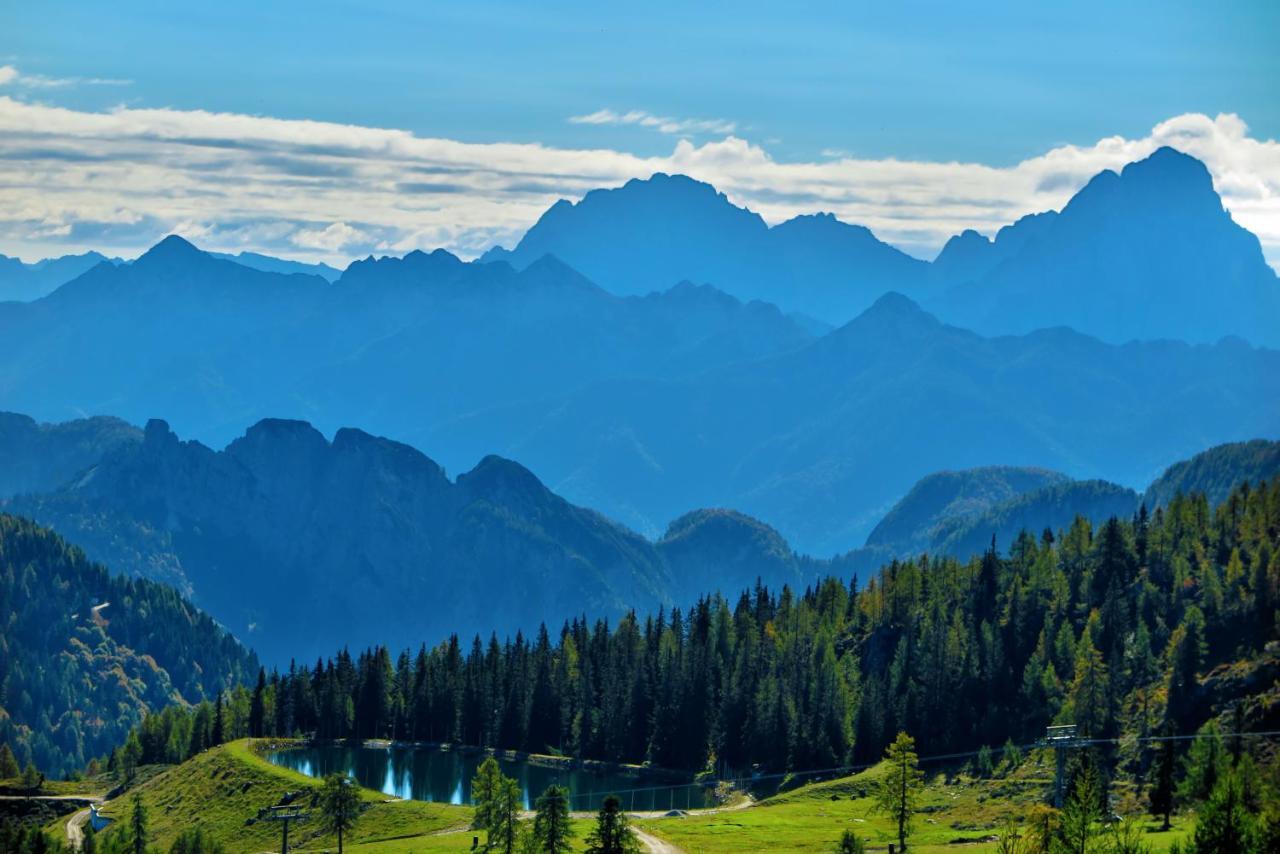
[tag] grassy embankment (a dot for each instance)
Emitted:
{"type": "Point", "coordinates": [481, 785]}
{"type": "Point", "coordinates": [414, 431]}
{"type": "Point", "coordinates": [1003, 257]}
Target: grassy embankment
{"type": "Point", "coordinates": [222, 788]}
{"type": "Point", "coordinates": [812, 818]}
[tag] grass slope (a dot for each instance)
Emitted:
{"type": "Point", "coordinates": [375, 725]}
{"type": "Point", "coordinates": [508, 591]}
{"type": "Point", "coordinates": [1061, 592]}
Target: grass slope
{"type": "Point", "coordinates": [813, 817]}
{"type": "Point", "coordinates": [222, 788]}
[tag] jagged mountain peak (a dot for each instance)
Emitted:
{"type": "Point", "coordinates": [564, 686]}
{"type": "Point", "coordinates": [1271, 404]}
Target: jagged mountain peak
{"type": "Point", "coordinates": [172, 249]}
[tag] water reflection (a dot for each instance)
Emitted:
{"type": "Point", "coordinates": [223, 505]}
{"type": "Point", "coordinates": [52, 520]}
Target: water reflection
{"type": "Point", "coordinates": [424, 774]}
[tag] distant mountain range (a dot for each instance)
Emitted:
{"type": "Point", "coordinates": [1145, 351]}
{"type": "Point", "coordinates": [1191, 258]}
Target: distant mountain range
{"type": "Point", "coordinates": [650, 234]}
{"type": "Point", "coordinates": [641, 407]}
{"type": "Point", "coordinates": [1147, 253]}
{"type": "Point", "coordinates": [822, 439]}
{"type": "Point", "coordinates": [269, 264]}
{"type": "Point", "coordinates": [21, 281]}
{"type": "Point", "coordinates": [1143, 254]}
{"type": "Point", "coordinates": [361, 540]}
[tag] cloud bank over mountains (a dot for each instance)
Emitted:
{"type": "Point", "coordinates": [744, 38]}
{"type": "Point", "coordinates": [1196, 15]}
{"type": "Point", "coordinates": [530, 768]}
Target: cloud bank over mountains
{"type": "Point", "coordinates": [117, 180]}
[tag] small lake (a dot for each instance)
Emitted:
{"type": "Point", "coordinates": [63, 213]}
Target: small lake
{"type": "Point", "coordinates": [444, 776]}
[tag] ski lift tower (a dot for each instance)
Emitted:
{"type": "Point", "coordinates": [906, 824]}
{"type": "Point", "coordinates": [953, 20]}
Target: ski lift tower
{"type": "Point", "coordinates": [284, 815]}
{"type": "Point", "coordinates": [1061, 739]}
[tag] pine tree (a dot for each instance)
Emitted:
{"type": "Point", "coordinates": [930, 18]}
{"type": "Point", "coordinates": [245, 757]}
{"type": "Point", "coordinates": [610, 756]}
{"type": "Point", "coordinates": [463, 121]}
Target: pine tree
{"type": "Point", "coordinates": [339, 805]}
{"type": "Point", "coordinates": [138, 826]}
{"type": "Point", "coordinates": [258, 707]}
{"type": "Point", "coordinates": [1161, 794]}
{"type": "Point", "coordinates": [504, 817]}
{"type": "Point", "coordinates": [611, 835]}
{"type": "Point", "coordinates": [32, 779]}
{"type": "Point", "coordinates": [1203, 765]}
{"type": "Point", "coordinates": [219, 723]}
{"type": "Point", "coordinates": [1081, 812]}
{"type": "Point", "coordinates": [1225, 823]}
{"type": "Point", "coordinates": [8, 763]}
{"type": "Point", "coordinates": [484, 793]}
{"type": "Point", "coordinates": [551, 826]}
{"type": "Point", "coordinates": [1090, 689]}
{"type": "Point", "coordinates": [899, 788]}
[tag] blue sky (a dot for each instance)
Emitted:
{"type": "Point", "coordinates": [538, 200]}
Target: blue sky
{"type": "Point", "coordinates": [915, 119]}
{"type": "Point", "coordinates": [993, 82]}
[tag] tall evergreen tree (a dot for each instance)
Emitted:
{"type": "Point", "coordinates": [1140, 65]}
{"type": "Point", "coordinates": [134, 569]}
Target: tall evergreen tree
{"type": "Point", "coordinates": [1162, 787]}
{"type": "Point", "coordinates": [899, 788]}
{"type": "Point", "coordinates": [611, 835]}
{"type": "Point", "coordinates": [484, 793]}
{"type": "Point", "coordinates": [339, 805]}
{"type": "Point", "coordinates": [138, 833]}
{"type": "Point", "coordinates": [258, 708]}
{"type": "Point", "coordinates": [551, 827]}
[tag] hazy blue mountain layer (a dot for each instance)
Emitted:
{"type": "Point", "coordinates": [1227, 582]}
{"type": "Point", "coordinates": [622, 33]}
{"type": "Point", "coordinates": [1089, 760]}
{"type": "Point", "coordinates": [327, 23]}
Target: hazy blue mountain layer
{"type": "Point", "coordinates": [361, 538]}
{"type": "Point", "coordinates": [822, 440]}
{"type": "Point", "coordinates": [358, 540]}
{"type": "Point", "coordinates": [21, 281]}
{"type": "Point", "coordinates": [269, 264]}
{"type": "Point", "coordinates": [1145, 253]}
{"type": "Point", "coordinates": [649, 234]}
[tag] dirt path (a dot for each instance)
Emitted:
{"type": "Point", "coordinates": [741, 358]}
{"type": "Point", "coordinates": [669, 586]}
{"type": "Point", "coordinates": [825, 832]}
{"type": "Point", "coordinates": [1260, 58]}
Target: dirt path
{"type": "Point", "coordinates": [653, 844]}
{"type": "Point", "coordinates": [75, 829]}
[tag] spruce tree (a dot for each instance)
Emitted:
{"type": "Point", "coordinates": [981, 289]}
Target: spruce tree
{"type": "Point", "coordinates": [484, 793]}
{"type": "Point", "coordinates": [611, 835]}
{"type": "Point", "coordinates": [219, 723]}
{"type": "Point", "coordinates": [504, 817]}
{"type": "Point", "coordinates": [138, 826]}
{"type": "Point", "coordinates": [1224, 823]}
{"type": "Point", "coordinates": [899, 788]}
{"type": "Point", "coordinates": [8, 763]}
{"type": "Point", "coordinates": [1203, 765]}
{"type": "Point", "coordinates": [1161, 793]}
{"type": "Point", "coordinates": [551, 825]}
{"type": "Point", "coordinates": [258, 707]}
{"type": "Point", "coordinates": [1081, 812]}
{"type": "Point", "coordinates": [339, 805]}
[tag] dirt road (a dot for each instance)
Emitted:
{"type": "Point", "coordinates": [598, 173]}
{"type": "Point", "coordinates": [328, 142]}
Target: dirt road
{"type": "Point", "coordinates": [653, 844]}
{"type": "Point", "coordinates": [75, 829]}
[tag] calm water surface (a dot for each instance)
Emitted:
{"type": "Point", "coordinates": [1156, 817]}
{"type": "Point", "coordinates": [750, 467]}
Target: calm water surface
{"type": "Point", "coordinates": [425, 774]}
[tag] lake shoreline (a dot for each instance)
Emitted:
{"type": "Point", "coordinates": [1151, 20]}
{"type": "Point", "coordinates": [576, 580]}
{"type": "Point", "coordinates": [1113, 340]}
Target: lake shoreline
{"type": "Point", "coordinates": [542, 760]}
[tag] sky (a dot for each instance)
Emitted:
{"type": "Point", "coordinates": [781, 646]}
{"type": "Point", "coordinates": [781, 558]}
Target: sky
{"type": "Point", "coordinates": [334, 130]}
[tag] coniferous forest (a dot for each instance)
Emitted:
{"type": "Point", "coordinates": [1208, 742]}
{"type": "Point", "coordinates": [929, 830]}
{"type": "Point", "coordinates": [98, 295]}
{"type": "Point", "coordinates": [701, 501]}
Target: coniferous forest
{"type": "Point", "coordinates": [441, 427]}
{"type": "Point", "coordinates": [1118, 629]}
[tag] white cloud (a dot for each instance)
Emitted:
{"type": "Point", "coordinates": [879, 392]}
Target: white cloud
{"type": "Point", "coordinates": [662, 124]}
{"type": "Point", "coordinates": [10, 74]}
{"type": "Point", "coordinates": [332, 238]}
{"type": "Point", "coordinates": [120, 179]}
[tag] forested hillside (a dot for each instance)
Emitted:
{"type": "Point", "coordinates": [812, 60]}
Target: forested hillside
{"type": "Point", "coordinates": [1216, 472]}
{"type": "Point", "coordinates": [1121, 629]}
{"type": "Point", "coordinates": [85, 654]}
{"type": "Point", "coordinates": [42, 457]}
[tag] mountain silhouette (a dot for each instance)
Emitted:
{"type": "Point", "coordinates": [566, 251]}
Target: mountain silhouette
{"type": "Point", "coordinates": [24, 282]}
{"type": "Point", "coordinates": [649, 234]}
{"type": "Point", "coordinates": [270, 264]}
{"type": "Point", "coordinates": [1145, 253]}
{"type": "Point", "coordinates": [821, 440]}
